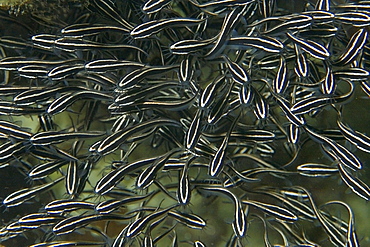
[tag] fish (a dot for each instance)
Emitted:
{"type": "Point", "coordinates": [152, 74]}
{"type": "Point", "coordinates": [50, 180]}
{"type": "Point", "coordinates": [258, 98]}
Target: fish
{"type": "Point", "coordinates": [296, 204]}
{"type": "Point", "coordinates": [351, 237]}
{"type": "Point", "coordinates": [13, 130]}
{"type": "Point", "coordinates": [190, 220]}
{"type": "Point", "coordinates": [313, 48]}
{"type": "Point", "coordinates": [137, 226]}
{"type": "Point", "coordinates": [39, 95]}
{"type": "Point", "coordinates": [238, 73]}
{"type": "Point", "coordinates": [354, 183]}
{"type": "Point", "coordinates": [86, 29]}
{"type": "Point", "coordinates": [199, 244]}
{"type": "Point", "coordinates": [64, 101]}
{"type": "Point", "coordinates": [329, 84]}
{"type": "Point", "coordinates": [33, 71]}
{"type": "Point", "coordinates": [153, 6]}
{"type": "Point", "coordinates": [264, 43]}
{"type": "Point", "coordinates": [108, 206]}
{"type": "Point", "coordinates": [273, 210]}
{"type": "Point", "coordinates": [245, 95]}
{"type": "Point", "coordinates": [353, 48]}
{"type": "Point", "coordinates": [188, 46]}
{"type": "Point", "coordinates": [295, 119]}
{"type": "Point", "coordinates": [109, 9]}
{"type": "Point", "coordinates": [341, 153]}
{"type": "Point", "coordinates": [356, 18]}
{"type": "Point", "coordinates": [18, 197]}
{"type": "Point", "coordinates": [44, 41]}
{"type": "Point", "coordinates": [209, 93]}
{"type": "Point", "coordinates": [54, 137]}
{"type": "Point", "coordinates": [261, 107]}
{"type": "Point", "coordinates": [360, 140]}
{"type": "Point", "coordinates": [228, 25]}
{"type": "Point", "coordinates": [113, 141]}
{"type": "Point", "coordinates": [104, 65]}
{"type": "Point", "coordinates": [36, 220]}
{"type": "Point", "coordinates": [42, 170]}
{"type": "Point", "coordinates": [323, 5]}
{"type": "Point", "coordinates": [211, 6]}
{"type": "Point", "coordinates": [136, 76]}
{"type": "Point", "coordinates": [67, 205]}
{"type": "Point", "coordinates": [69, 44]}
{"type": "Point", "coordinates": [8, 149]}
{"type": "Point", "coordinates": [239, 223]}
{"type": "Point", "coordinates": [70, 224]}
{"type": "Point", "coordinates": [335, 236]}
{"type": "Point", "coordinates": [148, 175]}
{"type": "Point", "coordinates": [281, 81]}
{"type": "Point", "coordinates": [293, 22]}
{"type": "Point", "coordinates": [354, 74]}
{"type": "Point", "coordinates": [71, 180]}
{"type": "Point", "coordinates": [138, 97]}
{"type": "Point", "coordinates": [316, 170]}
{"type": "Point", "coordinates": [184, 190]}
{"type": "Point", "coordinates": [194, 131]}
{"type": "Point", "coordinates": [109, 181]}
{"type": "Point", "coordinates": [68, 243]}
{"type": "Point", "coordinates": [301, 66]}
{"type": "Point", "coordinates": [147, 29]}
{"type": "Point", "coordinates": [133, 105]}
{"type": "Point", "coordinates": [217, 161]}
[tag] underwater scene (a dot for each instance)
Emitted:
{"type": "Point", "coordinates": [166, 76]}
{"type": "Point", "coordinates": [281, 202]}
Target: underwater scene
{"type": "Point", "coordinates": [184, 123]}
